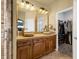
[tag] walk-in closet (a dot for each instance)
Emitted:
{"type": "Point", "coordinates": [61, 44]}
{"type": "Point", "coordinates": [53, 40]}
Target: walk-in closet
{"type": "Point", "coordinates": [65, 31]}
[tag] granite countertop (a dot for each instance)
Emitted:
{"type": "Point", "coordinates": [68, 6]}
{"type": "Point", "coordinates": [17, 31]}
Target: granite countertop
{"type": "Point", "coordinates": [35, 36]}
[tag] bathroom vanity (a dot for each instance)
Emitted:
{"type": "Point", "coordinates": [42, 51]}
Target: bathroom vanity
{"type": "Point", "coordinates": [36, 46]}
{"type": "Point", "coordinates": [40, 42]}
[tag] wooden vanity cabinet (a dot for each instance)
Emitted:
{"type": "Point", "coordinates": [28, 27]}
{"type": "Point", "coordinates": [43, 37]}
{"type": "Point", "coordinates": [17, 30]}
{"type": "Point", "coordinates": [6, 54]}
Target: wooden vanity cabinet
{"type": "Point", "coordinates": [34, 48]}
{"type": "Point", "coordinates": [24, 49]}
{"type": "Point", "coordinates": [38, 47]}
{"type": "Point", "coordinates": [43, 46]}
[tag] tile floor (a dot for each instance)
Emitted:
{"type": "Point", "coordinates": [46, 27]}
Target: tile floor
{"type": "Point", "coordinates": [66, 49]}
{"type": "Point", "coordinates": [56, 55]}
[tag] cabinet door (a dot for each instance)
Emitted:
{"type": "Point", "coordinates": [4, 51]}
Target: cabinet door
{"type": "Point", "coordinates": [47, 45]}
{"type": "Point", "coordinates": [50, 44]}
{"type": "Point", "coordinates": [54, 42]}
{"type": "Point", "coordinates": [24, 52]}
{"type": "Point", "coordinates": [38, 49]}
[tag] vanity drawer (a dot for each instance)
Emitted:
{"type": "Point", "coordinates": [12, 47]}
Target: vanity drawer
{"type": "Point", "coordinates": [24, 42]}
{"type": "Point", "coordinates": [37, 40]}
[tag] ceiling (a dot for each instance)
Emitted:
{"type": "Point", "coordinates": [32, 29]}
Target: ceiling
{"type": "Point", "coordinates": [43, 3]}
{"type": "Point", "coordinates": [46, 3]}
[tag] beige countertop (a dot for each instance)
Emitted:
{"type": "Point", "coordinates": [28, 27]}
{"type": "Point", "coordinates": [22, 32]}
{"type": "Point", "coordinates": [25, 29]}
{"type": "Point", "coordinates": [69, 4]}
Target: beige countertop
{"type": "Point", "coordinates": [35, 36]}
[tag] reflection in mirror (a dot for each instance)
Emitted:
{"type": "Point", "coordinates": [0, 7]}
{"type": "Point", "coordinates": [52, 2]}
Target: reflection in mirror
{"type": "Point", "coordinates": [29, 21]}
{"type": "Point", "coordinates": [20, 26]}
{"type": "Point", "coordinates": [40, 24]}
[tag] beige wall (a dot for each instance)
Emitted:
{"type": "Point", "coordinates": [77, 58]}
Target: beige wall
{"type": "Point", "coordinates": [58, 5]}
{"type": "Point", "coordinates": [14, 29]}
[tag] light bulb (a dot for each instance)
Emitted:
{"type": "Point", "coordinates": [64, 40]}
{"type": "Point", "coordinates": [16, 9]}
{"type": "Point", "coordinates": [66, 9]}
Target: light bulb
{"type": "Point", "coordinates": [28, 6]}
{"type": "Point", "coordinates": [40, 10]}
{"type": "Point", "coordinates": [43, 11]}
{"type": "Point", "coordinates": [32, 8]}
{"type": "Point", "coordinates": [46, 12]}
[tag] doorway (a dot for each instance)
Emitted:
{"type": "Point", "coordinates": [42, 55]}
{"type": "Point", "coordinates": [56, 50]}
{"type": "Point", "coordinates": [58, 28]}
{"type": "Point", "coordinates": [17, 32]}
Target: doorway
{"type": "Point", "coordinates": [64, 30]}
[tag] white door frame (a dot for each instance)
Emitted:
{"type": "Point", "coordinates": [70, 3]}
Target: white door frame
{"type": "Point", "coordinates": [65, 10]}
{"type": "Point", "coordinates": [74, 29]}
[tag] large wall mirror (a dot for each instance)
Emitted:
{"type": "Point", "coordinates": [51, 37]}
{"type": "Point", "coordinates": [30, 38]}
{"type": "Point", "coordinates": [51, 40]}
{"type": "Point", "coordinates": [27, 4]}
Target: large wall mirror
{"type": "Point", "coordinates": [34, 21]}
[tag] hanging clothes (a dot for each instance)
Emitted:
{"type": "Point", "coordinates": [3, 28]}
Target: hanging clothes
{"type": "Point", "coordinates": [61, 32]}
{"type": "Point", "coordinates": [65, 27]}
{"type": "Point", "coordinates": [70, 31]}
{"type": "Point", "coordinates": [66, 32]}
{"type": "Point", "coordinates": [61, 28]}
{"type": "Point", "coordinates": [69, 24]}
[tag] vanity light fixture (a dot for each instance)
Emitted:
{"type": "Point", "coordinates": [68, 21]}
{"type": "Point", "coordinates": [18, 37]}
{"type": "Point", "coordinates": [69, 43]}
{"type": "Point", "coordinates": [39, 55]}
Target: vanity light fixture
{"type": "Point", "coordinates": [43, 11]}
{"type": "Point", "coordinates": [27, 5]}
